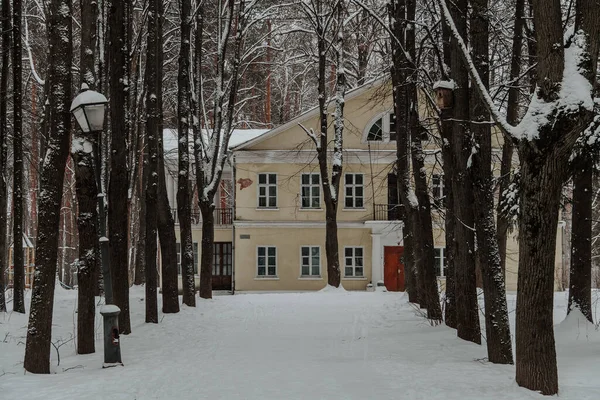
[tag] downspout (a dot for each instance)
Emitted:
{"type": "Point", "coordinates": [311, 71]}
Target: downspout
{"type": "Point", "coordinates": [233, 225]}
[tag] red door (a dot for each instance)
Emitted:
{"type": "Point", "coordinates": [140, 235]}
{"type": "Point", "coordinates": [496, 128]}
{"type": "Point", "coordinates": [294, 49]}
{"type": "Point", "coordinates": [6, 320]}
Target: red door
{"type": "Point", "coordinates": [393, 269]}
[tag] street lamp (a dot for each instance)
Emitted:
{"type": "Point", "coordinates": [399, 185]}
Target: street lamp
{"type": "Point", "coordinates": [88, 108]}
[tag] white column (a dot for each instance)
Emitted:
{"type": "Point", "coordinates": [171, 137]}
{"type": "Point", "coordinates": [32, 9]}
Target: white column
{"type": "Point", "coordinates": [376, 259]}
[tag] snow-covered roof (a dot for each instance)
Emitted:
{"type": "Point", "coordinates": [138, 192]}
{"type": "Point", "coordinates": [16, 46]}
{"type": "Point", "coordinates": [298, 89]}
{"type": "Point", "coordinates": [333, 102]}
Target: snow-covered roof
{"type": "Point", "coordinates": [238, 137]}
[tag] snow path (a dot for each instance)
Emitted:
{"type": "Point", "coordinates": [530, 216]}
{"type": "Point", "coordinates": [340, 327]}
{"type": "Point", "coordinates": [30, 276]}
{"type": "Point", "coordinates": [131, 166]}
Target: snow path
{"type": "Point", "coordinates": [335, 345]}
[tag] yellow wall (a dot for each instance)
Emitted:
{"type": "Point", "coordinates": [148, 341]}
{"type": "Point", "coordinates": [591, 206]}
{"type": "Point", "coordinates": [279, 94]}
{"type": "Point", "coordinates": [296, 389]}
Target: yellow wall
{"type": "Point", "coordinates": [288, 242]}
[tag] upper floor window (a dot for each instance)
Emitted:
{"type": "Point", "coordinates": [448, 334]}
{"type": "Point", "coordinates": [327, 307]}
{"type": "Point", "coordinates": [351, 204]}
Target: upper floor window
{"type": "Point", "coordinates": [440, 261]}
{"type": "Point", "coordinates": [353, 262]}
{"type": "Point", "coordinates": [310, 261]}
{"type": "Point", "coordinates": [437, 189]}
{"type": "Point", "coordinates": [354, 191]}
{"type": "Point", "coordinates": [383, 129]}
{"type": "Point", "coordinates": [266, 261]}
{"type": "Point", "coordinates": [311, 191]}
{"type": "Point", "coordinates": [267, 190]}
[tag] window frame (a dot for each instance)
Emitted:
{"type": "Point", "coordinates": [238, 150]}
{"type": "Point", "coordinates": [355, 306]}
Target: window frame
{"type": "Point", "coordinates": [266, 275]}
{"type": "Point", "coordinates": [354, 185]}
{"type": "Point", "coordinates": [386, 134]}
{"type": "Point", "coordinates": [310, 186]}
{"type": "Point", "coordinates": [442, 259]}
{"type": "Point", "coordinates": [438, 201]}
{"type": "Point", "coordinates": [353, 266]}
{"type": "Point", "coordinates": [310, 265]}
{"type": "Point", "coordinates": [267, 186]}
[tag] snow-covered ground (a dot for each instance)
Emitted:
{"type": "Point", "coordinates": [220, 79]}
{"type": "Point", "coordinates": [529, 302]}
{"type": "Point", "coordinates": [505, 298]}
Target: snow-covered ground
{"type": "Point", "coordinates": [333, 345]}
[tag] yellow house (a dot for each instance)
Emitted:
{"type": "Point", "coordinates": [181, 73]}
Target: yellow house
{"type": "Point", "coordinates": [274, 237]}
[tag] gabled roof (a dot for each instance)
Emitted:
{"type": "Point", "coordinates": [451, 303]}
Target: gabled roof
{"type": "Point", "coordinates": [351, 94]}
{"type": "Point", "coordinates": [238, 137]}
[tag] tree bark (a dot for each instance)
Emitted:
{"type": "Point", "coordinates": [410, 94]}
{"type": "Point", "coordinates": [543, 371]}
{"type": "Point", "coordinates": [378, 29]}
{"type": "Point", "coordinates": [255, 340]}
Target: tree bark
{"type": "Point", "coordinates": [398, 71]}
{"type": "Point", "coordinates": [580, 280]}
{"type": "Point", "coordinates": [39, 331]}
{"type": "Point", "coordinates": [543, 171]}
{"type": "Point", "coordinates": [498, 340]}
{"type": "Point", "coordinates": [118, 185]}
{"type": "Point", "coordinates": [6, 29]}
{"type": "Point", "coordinates": [184, 211]}
{"type": "Point", "coordinates": [152, 117]}
{"type": "Point", "coordinates": [512, 116]}
{"type": "Point", "coordinates": [206, 258]}
{"type": "Point", "coordinates": [87, 194]}
{"type": "Point", "coordinates": [18, 217]}
{"type": "Point", "coordinates": [140, 260]}
{"type": "Point", "coordinates": [467, 311]}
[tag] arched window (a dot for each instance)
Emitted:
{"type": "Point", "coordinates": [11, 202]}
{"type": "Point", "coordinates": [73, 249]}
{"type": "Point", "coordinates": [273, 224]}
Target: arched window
{"type": "Point", "coordinates": [382, 129]}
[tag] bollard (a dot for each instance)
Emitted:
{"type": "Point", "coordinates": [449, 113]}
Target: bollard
{"type": "Point", "coordinates": [112, 344]}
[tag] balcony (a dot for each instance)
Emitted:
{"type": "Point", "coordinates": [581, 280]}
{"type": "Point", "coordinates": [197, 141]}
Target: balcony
{"type": "Point", "coordinates": [222, 216]}
{"type": "Point", "coordinates": [388, 212]}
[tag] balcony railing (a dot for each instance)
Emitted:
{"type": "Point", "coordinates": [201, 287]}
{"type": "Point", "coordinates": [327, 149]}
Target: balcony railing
{"type": "Point", "coordinates": [388, 212]}
{"type": "Point", "coordinates": [222, 216]}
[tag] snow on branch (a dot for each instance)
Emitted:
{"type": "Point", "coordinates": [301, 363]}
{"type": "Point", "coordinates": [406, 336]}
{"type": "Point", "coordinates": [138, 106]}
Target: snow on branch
{"type": "Point", "coordinates": [312, 135]}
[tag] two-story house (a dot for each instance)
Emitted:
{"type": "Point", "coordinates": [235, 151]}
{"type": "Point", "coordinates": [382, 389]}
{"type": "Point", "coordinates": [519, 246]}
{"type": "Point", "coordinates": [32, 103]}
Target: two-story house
{"type": "Point", "coordinates": [276, 238]}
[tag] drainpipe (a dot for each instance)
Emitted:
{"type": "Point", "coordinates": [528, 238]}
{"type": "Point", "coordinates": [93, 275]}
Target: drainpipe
{"type": "Point", "coordinates": [233, 225]}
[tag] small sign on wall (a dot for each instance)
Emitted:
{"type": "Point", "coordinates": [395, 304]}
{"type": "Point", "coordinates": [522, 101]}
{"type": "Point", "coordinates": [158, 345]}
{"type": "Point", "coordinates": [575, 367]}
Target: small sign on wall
{"type": "Point", "coordinates": [244, 236]}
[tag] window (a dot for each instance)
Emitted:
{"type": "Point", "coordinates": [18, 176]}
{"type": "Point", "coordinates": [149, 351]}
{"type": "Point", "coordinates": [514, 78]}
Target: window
{"type": "Point", "coordinates": [267, 190]}
{"type": "Point", "coordinates": [383, 129]}
{"type": "Point", "coordinates": [195, 250]}
{"type": "Point", "coordinates": [267, 261]}
{"type": "Point", "coordinates": [437, 189]}
{"type": "Point", "coordinates": [354, 191]}
{"type": "Point", "coordinates": [353, 262]}
{"type": "Point", "coordinates": [440, 261]}
{"type": "Point", "coordinates": [310, 258]}
{"type": "Point", "coordinates": [311, 191]}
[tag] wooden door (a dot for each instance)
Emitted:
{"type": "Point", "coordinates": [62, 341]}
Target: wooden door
{"type": "Point", "coordinates": [393, 269]}
{"type": "Point", "coordinates": [222, 266]}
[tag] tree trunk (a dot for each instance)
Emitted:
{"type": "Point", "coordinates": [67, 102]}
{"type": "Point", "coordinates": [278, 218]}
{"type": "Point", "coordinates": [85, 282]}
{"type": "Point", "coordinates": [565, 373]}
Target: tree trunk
{"type": "Point", "coordinates": [39, 331]}
{"type": "Point", "coordinates": [87, 194]}
{"type": "Point", "coordinates": [152, 117]}
{"type": "Point", "coordinates": [206, 257]}
{"type": "Point", "coordinates": [580, 282]}
{"type": "Point", "coordinates": [183, 178]}
{"type": "Point", "coordinates": [498, 340]}
{"type": "Point", "coordinates": [467, 311]}
{"type": "Point", "coordinates": [512, 116]}
{"type": "Point", "coordinates": [6, 29]}
{"type": "Point", "coordinates": [118, 186]}
{"type": "Point", "coordinates": [140, 260]}
{"type": "Point", "coordinates": [18, 217]}
{"type": "Point", "coordinates": [397, 12]}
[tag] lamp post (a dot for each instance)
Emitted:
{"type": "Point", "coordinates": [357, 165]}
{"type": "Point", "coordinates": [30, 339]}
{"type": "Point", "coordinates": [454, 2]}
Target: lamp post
{"type": "Point", "coordinates": [88, 108]}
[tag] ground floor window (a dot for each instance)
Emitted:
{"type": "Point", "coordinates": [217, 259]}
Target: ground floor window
{"type": "Point", "coordinates": [440, 261]}
{"type": "Point", "coordinates": [195, 250]}
{"type": "Point", "coordinates": [353, 264]}
{"type": "Point", "coordinates": [266, 261]}
{"type": "Point", "coordinates": [310, 258]}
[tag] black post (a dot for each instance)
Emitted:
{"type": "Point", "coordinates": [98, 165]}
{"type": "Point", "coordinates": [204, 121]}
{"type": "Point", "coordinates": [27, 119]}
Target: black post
{"type": "Point", "coordinates": [102, 238]}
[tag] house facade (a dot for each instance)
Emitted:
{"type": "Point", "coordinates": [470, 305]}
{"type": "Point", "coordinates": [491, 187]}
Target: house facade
{"type": "Point", "coordinates": [270, 215]}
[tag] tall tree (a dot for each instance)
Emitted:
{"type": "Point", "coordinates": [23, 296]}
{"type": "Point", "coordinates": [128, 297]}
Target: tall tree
{"type": "Point", "coordinates": [118, 65]}
{"type": "Point", "coordinates": [465, 290]}
{"type": "Point", "coordinates": [322, 20]}
{"type": "Point", "coordinates": [87, 192]}
{"type": "Point", "coordinates": [18, 172]}
{"type": "Point", "coordinates": [562, 108]}
{"type": "Point", "coordinates": [212, 130]}
{"type": "Point", "coordinates": [152, 117]}
{"type": "Point", "coordinates": [165, 220]}
{"type": "Point", "coordinates": [4, 148]}
{"type": "Point", "coordinates": [184, 114]}
{"type": "Point", "coordinates": [498, 340]}
{"type": "Point", "coordinates": [39, 331]}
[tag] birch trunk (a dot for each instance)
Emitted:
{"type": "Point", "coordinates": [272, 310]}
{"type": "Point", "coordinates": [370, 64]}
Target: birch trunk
{"type": "Point", "coordinates": [6, 29]}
